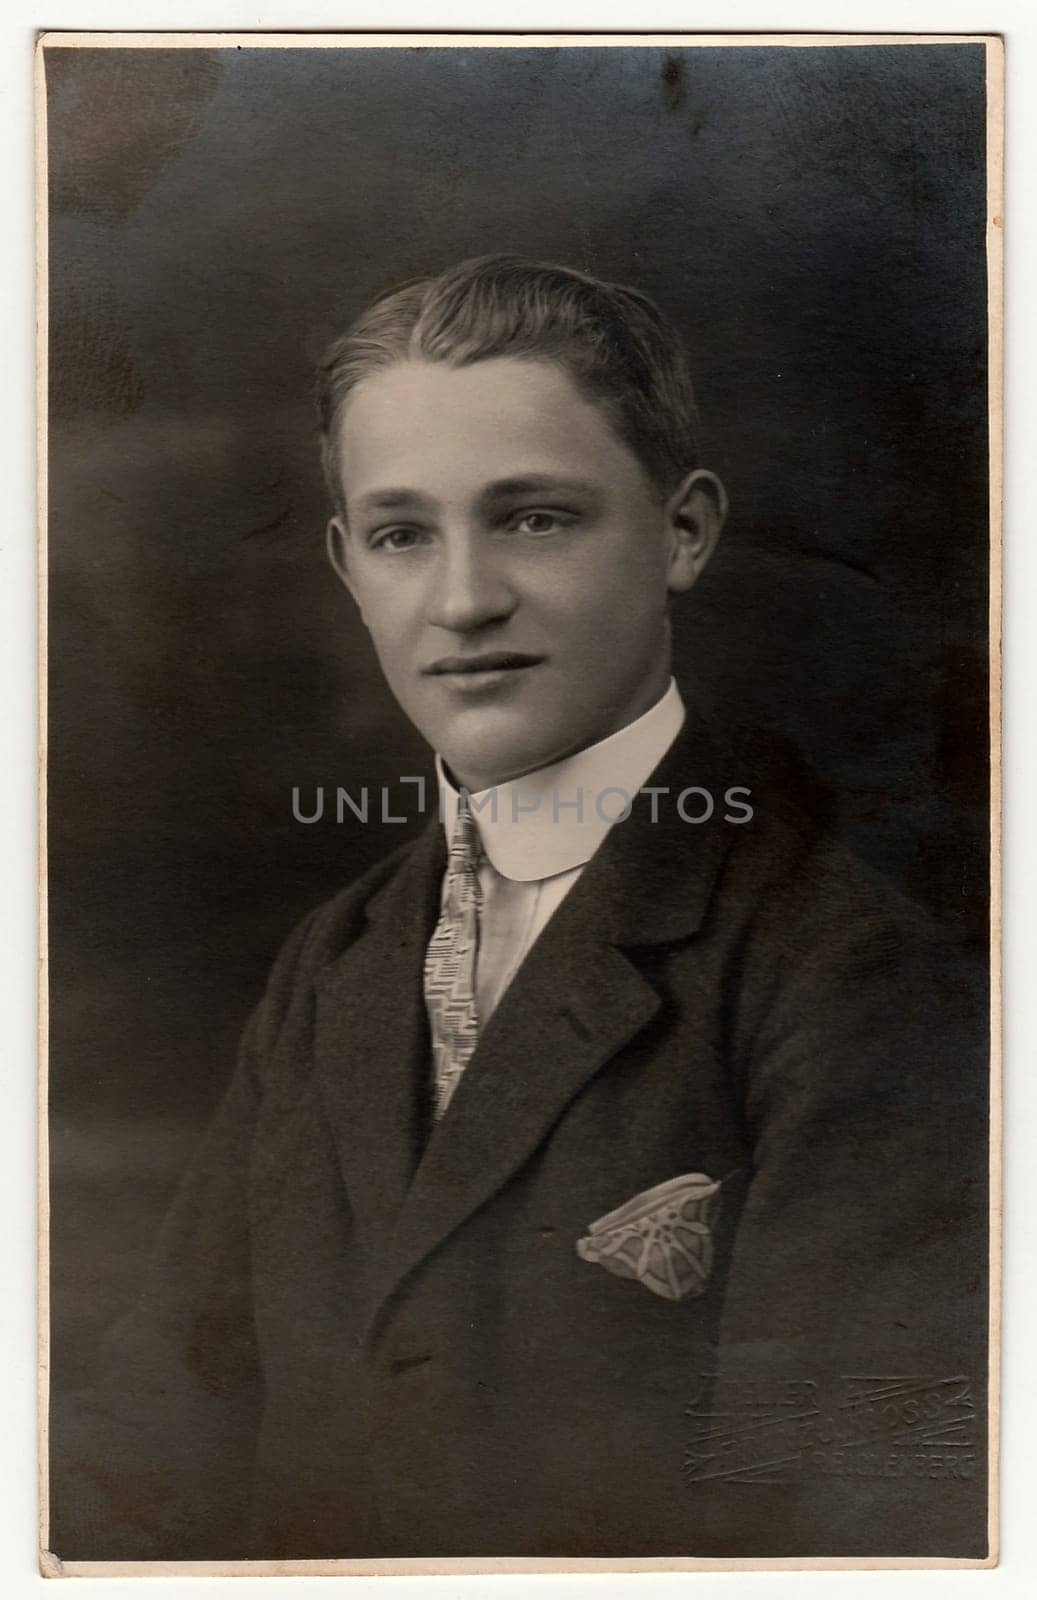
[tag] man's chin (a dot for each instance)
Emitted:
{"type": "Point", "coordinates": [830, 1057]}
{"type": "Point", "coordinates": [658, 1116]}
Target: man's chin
{"type": "Point", "coordinates": [488, 743]}
{"type": "Point", "coordinates": [476, 766]}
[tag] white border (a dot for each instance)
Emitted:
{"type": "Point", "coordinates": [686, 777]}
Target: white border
{"type": "Point", "coordinates": [16, 579]}
{"type": "Point", "coordinates": [51, 1564]}
{"type": "Point", "coordinates": [495, 41]}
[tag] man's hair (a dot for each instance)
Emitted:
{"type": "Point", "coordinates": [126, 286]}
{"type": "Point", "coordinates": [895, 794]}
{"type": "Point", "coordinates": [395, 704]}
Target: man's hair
{"type": "Point", "coordinates": [620, 350]}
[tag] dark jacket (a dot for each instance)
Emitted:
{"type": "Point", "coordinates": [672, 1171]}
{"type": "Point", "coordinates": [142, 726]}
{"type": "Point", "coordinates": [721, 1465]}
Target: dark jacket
{"type": "Point", "coordinates": [367, 1337]}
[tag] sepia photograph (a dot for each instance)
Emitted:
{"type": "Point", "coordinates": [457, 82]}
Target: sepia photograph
{"type": "Point", "coordinates": [520, 551]}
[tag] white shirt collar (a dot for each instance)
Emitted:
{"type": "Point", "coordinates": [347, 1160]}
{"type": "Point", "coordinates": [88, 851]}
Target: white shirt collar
{"type": "Point", "coordinates": [553, 820]}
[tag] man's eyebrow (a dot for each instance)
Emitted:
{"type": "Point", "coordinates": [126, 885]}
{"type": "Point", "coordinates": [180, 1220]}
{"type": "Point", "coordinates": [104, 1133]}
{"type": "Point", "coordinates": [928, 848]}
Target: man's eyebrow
{"type": "Point", "coordinates": [393, 500]}
{"type": "Point", "coordinates": [400, 499]}
{"type": "Point", "coordinates": [538, 483]}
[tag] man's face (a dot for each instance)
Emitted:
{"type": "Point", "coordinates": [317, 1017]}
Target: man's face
{"type": "Point", "coordinates": [510, 558]}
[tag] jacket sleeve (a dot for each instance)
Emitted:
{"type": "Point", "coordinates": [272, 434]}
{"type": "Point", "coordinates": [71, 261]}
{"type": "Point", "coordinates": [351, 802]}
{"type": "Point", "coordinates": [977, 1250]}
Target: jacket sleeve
{"type": "Point", "coordinates": [154, 1460]}
{"type": "Point", "coordinates": [849, 1414]}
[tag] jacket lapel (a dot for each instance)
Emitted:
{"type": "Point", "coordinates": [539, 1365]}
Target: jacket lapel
{"type": "Point", "coordinates": [577, 999]}
{"type": "Point", "coordinates": [371, 1040]}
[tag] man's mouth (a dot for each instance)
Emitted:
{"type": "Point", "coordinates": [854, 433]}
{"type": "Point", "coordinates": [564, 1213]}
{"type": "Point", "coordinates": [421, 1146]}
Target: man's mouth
{"type": "Point", "coordinates": [489, 661]}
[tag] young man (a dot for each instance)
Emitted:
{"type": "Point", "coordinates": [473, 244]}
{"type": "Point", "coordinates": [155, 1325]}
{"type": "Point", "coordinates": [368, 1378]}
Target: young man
{"type": "Point", "coordinates": [621, 1088]}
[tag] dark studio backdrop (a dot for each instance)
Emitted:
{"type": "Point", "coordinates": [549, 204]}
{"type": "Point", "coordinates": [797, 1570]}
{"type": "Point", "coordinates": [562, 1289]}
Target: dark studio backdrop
{"type": "Point", "coordinates": [815, 221]}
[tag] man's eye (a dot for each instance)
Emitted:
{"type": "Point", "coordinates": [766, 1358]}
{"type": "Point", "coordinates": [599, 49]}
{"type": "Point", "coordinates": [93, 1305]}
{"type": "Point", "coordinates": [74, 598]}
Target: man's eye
{"type": "Point", "coordinates": [540, 522]}
{"type": "Point", "coordinates": [394, 539]}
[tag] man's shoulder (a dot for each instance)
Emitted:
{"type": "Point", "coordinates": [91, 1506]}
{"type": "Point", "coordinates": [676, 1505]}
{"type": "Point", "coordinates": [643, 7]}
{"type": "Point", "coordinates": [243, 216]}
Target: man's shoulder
{"type": "Point", "coordinates": [333, 924]}
{"type": "Point", "coordinates": [770, 816]}
{"type": "Point", "coordinates": [811, 915]}
{"type": "Point", "coordinates": [793, 875]}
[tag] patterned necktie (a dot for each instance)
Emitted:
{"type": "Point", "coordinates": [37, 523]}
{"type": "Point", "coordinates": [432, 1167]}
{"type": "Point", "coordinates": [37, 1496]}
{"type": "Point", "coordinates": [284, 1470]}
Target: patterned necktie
{"type": "Point", "coordinates": [450, 965]}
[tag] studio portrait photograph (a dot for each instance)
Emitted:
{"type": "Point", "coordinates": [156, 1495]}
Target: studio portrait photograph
{"type": "Point", "coordinates": [520, 543]}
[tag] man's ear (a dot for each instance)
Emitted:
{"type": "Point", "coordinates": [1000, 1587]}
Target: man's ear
{"type": "Point", "coordinates": [696, 515]}
{"type": "Point", "coordinates": [337, 546]}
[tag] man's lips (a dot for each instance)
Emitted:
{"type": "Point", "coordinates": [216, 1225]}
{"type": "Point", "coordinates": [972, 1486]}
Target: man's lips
{"type": "Point", "coordinates": [491, 661]}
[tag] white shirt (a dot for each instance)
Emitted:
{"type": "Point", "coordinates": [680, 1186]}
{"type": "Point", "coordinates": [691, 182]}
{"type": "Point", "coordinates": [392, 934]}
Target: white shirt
{"type": "Point", "coordinates": [539, 831]}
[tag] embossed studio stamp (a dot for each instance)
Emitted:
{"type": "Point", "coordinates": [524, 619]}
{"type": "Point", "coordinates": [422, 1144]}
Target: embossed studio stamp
{"type": "Point", "coordinates": [806, 1428]}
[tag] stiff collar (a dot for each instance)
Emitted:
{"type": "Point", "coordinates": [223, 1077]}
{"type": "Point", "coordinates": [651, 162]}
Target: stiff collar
{"type": "Point", "coordinates": [553, 820]}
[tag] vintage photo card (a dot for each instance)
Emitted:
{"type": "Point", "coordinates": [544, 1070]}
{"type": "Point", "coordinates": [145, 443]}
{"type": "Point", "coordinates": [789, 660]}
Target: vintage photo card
{"type": "Point", "coordinates": [520, 530]}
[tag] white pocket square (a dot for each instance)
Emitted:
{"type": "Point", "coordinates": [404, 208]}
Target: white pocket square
{"type": "Point", "coordinates": [663, 1237]}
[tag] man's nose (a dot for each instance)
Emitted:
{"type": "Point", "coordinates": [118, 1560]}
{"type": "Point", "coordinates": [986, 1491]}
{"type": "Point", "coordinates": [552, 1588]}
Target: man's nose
{"type": "Point", "coordinates": [469, 585]}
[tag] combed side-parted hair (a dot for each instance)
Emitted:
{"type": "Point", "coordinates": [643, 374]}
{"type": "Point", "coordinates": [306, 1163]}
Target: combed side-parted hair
{"type": "Point", "coordinates": [621, 351]}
